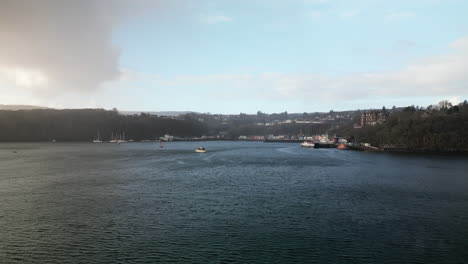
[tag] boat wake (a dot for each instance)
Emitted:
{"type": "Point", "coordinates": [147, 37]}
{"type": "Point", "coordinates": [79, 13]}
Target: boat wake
{"type": "Point", "coordinates": [208, 158]}
{"type": "Point", "coordinates": [290, 150]}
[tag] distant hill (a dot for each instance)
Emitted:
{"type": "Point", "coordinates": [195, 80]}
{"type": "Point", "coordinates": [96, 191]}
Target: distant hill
{"type": "Point", "coordinates": [158, 113]}
{"type": "Point", "coordinates": [21, 107]}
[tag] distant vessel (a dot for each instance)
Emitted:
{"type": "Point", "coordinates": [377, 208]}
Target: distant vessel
{"type": "Point", "coordinates": [200, 150]}
{"type": "Point", "coordinates": [308, 144]}
{"type": "Point", "coordinates": [113, 140]}
{"type": "Point", "coordinates": [122, 139]}
{"type": "Point", "coordinates": [98, 139]}
{"type": "Point", "coordinates": [342, 147]}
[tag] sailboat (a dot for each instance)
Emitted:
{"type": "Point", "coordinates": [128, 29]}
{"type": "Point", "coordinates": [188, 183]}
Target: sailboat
{"type": "Point", "coordinates": [122, 139]}
{"type": "Point", "coordinates": [113, 140]}
{"type": "Point", "coordinates": [98, 139]}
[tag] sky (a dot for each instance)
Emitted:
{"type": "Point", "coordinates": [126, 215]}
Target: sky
{"type": "Point", "coordinates": [233, 56]}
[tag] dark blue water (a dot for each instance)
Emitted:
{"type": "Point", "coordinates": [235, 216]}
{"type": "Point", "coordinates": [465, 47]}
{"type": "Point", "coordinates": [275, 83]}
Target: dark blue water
{"type": "Point", "coordinates": [240, 202]}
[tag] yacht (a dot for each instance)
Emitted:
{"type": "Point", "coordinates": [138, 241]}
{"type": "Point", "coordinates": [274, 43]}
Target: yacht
{"type": "Point", "coordinates": [113, 140]}
{"type": "Point", "coordinates": [122, 139]}
{"type": "Point", "coordinates": [98, 139]}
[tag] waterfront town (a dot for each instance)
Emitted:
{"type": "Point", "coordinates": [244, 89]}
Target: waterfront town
{"type": "Point", "coordinates": [328, 121]}
{"type": "Point", "coordinates": [410, 128]}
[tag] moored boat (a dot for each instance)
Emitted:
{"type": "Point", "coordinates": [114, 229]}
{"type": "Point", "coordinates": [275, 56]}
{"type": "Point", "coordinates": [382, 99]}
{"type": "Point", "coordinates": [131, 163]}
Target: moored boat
{"type": "Point", "coordinates": [308, 144]}
{"type": "Point", "coordinates": [342, 147]}
{"type": "Point", "coordinates": [122, 138]}
{"type": "Point", "coordinates": [98, 139]}
{"type": "Point", "coordinates": [113, 138]}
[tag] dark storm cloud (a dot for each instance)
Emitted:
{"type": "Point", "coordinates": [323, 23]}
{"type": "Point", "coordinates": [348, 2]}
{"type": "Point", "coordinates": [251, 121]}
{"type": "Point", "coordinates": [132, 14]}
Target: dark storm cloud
{"type": "Point", "coordinates": [53, 45]}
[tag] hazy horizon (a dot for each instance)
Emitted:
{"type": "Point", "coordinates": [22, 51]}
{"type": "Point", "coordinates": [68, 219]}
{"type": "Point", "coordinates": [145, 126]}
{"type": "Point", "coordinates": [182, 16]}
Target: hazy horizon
{"type": "Point", "coordinates": [174, 112]}
{"type": "Point", "coordinates": [230, 56]}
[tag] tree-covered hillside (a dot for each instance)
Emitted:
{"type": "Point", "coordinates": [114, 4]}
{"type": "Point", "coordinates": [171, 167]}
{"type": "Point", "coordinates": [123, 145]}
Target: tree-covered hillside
{"type": "Point", "coordinates": [83, 124]}
{"type": "Point", "coordinates": [440, 128]}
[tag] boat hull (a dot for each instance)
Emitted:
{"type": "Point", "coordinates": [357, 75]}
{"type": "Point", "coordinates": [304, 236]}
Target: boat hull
{"type": "Point", "coordinates": [308, 144]}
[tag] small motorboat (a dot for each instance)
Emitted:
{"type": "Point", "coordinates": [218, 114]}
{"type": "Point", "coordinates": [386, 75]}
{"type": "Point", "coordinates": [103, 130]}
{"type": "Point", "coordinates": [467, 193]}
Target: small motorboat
{"type": "Point", "coordinates": [200, 150]}
{"type": "Point", "coordinates": [308, 144]}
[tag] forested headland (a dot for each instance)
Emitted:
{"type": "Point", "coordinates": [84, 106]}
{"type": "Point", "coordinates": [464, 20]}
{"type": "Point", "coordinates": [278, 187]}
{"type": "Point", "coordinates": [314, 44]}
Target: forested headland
{"type": "Point", "coordinates": [84, 124]}
{"type": "Point", "coordinates": [440, 128]}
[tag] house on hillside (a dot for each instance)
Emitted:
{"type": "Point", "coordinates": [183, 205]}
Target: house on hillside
{"type": "Point", "coordinates": [371, 118]}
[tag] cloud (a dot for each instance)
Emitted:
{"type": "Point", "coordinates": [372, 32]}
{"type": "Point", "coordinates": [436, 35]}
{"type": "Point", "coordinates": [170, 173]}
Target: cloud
{"type": "Point", "coordinates": [214, 19]}
{"type": "Point", "coordinates": [316, 2]}
{"type": "Point", "coordinates": [315, 15]}
{"type": "Point", "coordinates": [405, 44]}
{"type": "Point", "coordinates": [432, 76]}
{"type": "Point", "coordinates": [443, 75]}
{"type": "Point", "coordinates": [348, 14]}
{"type": "Point", "coordinates": [53, 46]}
{"type": "Point", "coordinates": [396, 16]}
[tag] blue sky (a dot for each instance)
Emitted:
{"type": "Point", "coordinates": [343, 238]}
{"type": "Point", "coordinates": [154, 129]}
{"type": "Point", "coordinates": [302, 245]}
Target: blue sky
{"type": "Point", "coordinates": [295, 56]}
{"type": "Point", "coordinates": [319, 36]}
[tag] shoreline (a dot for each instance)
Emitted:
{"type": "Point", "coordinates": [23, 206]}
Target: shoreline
{"type": "Point", "coordinates": [328, 146]}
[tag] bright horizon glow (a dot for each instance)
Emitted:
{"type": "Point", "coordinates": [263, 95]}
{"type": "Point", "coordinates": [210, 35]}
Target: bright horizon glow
{"type": "Point", "coordinates": [234, 56]}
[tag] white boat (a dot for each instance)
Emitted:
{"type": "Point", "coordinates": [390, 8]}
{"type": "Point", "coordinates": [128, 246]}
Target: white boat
{"type": "Point", "coordinates": [113, 140]}
{"type": "Point", "coordinates": [98, 139]}
{"type": "Point", "coordinates": [308, 144]}
{"type": "Point", "coordinates": [200, 150]}
{"type": "Point", "coordinates": [122, 139]}
{"type": "Point", "coordinates": [118, 138]}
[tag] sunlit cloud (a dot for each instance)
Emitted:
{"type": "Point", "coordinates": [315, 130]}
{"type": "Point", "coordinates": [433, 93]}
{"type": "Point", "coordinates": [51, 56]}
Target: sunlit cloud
{"type": "Point", "coordinates": [63, 45]}
{"type": "Point", "coordinates": [24, 77]}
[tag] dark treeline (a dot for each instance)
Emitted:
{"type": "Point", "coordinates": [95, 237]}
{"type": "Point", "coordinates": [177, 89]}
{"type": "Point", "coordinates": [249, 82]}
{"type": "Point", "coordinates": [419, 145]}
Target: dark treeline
{"type": "Point", "coordinates": [438, 129]}
{"type": "Point", "coordinates": [83, 125]}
